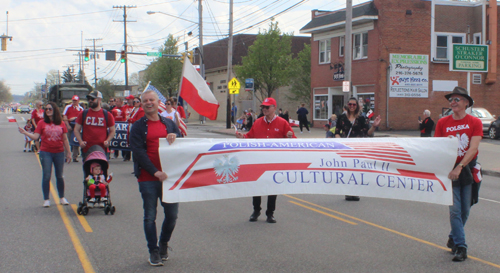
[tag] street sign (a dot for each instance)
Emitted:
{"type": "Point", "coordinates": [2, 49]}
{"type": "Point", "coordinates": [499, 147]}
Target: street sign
{"type": "Point", "coordinates": [249, 85]}
{"type": "Point", "coordinates": [338, 76]}
{"type": "Point", "coordinates": [154, 54]}
{"type": "Point", "coordinates": [346, 86]}
{"type": "Point", "coordinates": [469, 58]}
{"type": "Point", "coordinates": [234, 86]}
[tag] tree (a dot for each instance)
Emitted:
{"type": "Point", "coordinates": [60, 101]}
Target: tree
{"type": "Point", "coordinates": [164, 72]}
{"type": "Point", "coordinates": [5, 95]}
{"type": "Point", "coordinates": [301, 77]}
{"type": "Point", "coordinates": [52, 78]}
{"type": "Point", "coordinates": [79, 76]}
{"type": "Point", "coordinates": [68, 76]}
{"type": "Point", "coordinates": [268, 61]}
{"type": "Point", "coordinates": [107, 88]}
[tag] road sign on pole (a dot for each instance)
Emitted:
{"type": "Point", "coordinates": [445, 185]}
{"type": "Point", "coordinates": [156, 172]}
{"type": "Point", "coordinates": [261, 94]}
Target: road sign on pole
{"type": "Point", "coordinates": [154, 54]}
{"type": "Point", "coordinates": [249, 85]}
{"type": "Point", "coordinates": [469, 58]}
{"type": "Point", "coordinates": [346, 86]}
{"type": "Point", "coordinates": [234, 86]}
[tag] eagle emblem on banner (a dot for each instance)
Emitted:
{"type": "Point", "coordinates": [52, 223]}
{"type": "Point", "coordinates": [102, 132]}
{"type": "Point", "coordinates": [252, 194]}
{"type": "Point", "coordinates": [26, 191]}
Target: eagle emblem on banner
{"type": "Point", "coordinates": [226, 169]}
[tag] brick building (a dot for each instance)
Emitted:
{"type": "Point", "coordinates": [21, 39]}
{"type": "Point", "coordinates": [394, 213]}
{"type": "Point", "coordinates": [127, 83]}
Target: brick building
{"type": "Point", "coordinates": [388, 35]}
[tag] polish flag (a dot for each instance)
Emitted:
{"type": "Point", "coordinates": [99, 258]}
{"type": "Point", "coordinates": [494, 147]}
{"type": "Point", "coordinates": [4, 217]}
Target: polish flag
{"type": "Point", "coordinates": [11, 119]}
{"type": "Point", "coordinates": [370, 113]}
{"type": "Point", "coordinates": [477, 173]}
{"type": "Point", "coordinates": [194, 90]}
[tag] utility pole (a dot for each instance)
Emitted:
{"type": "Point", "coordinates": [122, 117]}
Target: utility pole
{"type": "Point", "coordinates": [4, 37]}
{"type": "Point", "coordinates": [348, 49]}
{"type": "Point", "coordinates": [125, 37]}
{"type": "Point", "coordinates": [95, 62]}
{"type": "Point", "coordinates": [229, 64]}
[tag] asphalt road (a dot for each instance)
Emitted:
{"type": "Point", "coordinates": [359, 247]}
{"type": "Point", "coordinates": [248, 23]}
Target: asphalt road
{"type": "Point", "coordinates": [314, 233]}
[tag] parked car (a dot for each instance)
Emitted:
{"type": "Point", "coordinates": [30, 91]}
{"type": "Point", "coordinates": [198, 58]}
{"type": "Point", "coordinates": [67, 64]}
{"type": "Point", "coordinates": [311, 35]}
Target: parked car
{"type": "Point", "coordinates": [494, 130]}
{"type": "Point", "coordinates": [24, 109]}
{"type": "Point", "coordinates": [484, 115]}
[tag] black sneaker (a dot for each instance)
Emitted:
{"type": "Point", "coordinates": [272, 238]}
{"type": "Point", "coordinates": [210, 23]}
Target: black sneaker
{"type": "Point", "coordinates": [164, 251]}
{"type": "Point", "coordinates": [271, 219]}
{"type": "Point", "coordinates": [450, 244]}
{"type": "Point", "coordinates": [154, 258]}
{"type": "Point", "coordinates": [461, 254]}
{"type": "Point", "coordinates": [254, 216]}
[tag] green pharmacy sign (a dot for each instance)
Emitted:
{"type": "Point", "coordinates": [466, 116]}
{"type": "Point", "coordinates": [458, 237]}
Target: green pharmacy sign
{"type": "Point", "coordinates": [469, 58]}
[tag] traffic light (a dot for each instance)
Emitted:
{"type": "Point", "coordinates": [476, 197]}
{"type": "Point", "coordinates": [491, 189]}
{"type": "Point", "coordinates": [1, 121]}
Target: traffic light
{"type": "Point", "coordinates": [183, 54]}
{"type": "Point", "coordinates": [123, 56]}
{"type": "Point", "coordinates": [87, 55]}
{"type": "Point", "coordinates": [191, 56]}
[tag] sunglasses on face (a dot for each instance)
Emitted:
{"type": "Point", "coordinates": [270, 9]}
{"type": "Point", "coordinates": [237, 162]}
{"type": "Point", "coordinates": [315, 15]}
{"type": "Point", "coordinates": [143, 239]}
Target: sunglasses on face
{"type": "Point", "coordinates": [48, 109]}
{"type": "Point", "coordinates": [167, 104]}
{"type": "Point", "coordinates": [454, 100]}
{"type": "Point", "coordinates": [91, 99]}
{"type": "Point", "coordinates": [136, 101]}
{"type": "Point", "coordinates": [352, 104]}
{"type": "Point", "coordinates": [265, 107]}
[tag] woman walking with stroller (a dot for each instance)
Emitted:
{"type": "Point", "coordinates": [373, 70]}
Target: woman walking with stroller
{"type": "Point", "coordinates": [55, 141]}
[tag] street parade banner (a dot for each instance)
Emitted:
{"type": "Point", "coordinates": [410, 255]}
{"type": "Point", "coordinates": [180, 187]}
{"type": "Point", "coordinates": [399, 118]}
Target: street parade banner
{"type": "Point", "coordinates": [413, 169]}
{"type": "Point", "coordinates": [119, 142]}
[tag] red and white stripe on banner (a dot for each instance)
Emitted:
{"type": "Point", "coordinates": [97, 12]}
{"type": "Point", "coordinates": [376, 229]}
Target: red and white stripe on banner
{"type": "Point", "coordinates": [413, 169]}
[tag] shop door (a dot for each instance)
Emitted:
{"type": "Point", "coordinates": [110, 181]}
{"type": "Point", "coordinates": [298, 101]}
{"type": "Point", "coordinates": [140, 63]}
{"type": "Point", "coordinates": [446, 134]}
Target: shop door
{"type": "Point", "coordinates": [337, 104]}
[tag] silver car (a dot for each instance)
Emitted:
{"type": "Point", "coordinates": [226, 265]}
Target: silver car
{"type": "Point", "coordinates": [479, 112]}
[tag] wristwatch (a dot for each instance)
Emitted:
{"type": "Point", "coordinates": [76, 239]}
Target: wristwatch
{"type": "Point", "coordinates": [461, 165]}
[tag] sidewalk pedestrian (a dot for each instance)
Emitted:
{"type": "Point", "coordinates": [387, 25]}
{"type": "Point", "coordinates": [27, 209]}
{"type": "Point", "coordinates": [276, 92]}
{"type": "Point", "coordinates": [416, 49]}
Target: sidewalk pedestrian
{"type": "Point", "coordinates": [302, 117]}
{"type": "Point", "coordinates": [469, 131]}
{"type": "Point", "coordinates": [426, 125]}
{"type": "Point", "coordinates": [144, 142]}
{"type": "Point", "coordinates": [269, 126]}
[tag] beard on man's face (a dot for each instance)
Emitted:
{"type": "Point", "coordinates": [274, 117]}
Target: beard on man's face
{"type": "Point", "coordinates": [93, 104]}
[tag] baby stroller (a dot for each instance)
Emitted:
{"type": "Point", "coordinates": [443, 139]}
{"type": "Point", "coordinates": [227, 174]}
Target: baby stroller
{"type": "Point", "coordinates": [95, 154]}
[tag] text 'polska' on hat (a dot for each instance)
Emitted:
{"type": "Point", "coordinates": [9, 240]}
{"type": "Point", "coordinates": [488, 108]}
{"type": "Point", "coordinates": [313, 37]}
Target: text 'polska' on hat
{"type": "Point", "coordinates": [462, 92]}
{"type": "Point", "coordinates": [95, 94]}
{"type": "Point", "coordinates": [75, 97]}
{"type": "Point", "coordinates": [268, 102]}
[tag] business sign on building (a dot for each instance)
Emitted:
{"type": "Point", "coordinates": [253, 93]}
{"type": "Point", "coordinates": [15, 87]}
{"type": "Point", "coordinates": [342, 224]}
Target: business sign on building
{"type": "Point", "coordinates": [409, 77]}
{"type": "Point", "coordinates": [469, 58]}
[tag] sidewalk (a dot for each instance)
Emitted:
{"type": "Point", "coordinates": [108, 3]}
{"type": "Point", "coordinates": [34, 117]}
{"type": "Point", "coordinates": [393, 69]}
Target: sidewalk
{"type": "Point", "coordinates": [488, 153]}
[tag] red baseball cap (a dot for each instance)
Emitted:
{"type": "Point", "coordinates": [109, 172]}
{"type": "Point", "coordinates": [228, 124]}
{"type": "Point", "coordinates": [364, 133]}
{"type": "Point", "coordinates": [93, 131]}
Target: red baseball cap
{"type": "Point", "coordinates": [268, 102]}
{"type": "Point", "coordinates": [130, 97]}
{"type": "Point", "coordinates": [75, 97]}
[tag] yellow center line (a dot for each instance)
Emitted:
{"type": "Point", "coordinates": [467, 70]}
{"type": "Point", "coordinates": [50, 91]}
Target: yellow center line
{"type": "Point", "coordinates": [82, 255]}
{"type": "Point", "coordinates": [324, 213]}
{"type": "Point", "coordinates": [390, 230]}
{"type": "Point", "coordinates": [82, 219]}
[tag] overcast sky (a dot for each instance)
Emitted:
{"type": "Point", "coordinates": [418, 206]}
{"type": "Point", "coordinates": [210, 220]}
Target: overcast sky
{"type": "Point", "coordinates": [42, 30]}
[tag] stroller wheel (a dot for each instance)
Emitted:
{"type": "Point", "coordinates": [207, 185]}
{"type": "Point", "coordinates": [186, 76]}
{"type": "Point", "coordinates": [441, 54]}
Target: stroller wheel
{"type": "Point", "coordinates": [107, 209]}
{"type": "Point", "coordinates": [85, 210]}
{"type": "Point", "coordinates": [112, 211]}
{"type": "Point", "coordinates": [79, 210]}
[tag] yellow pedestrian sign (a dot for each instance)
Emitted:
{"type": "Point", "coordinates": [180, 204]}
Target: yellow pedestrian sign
{"type": "Point", "coordinates": [234, 86]}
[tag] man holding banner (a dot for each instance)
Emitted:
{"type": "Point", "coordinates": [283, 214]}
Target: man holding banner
{"type": "Point", "coordinates": [269, 126]}
{"type": "Point", "coordinates": [469, 131]}
{"type": "Point", "coordinates": [145, 138]}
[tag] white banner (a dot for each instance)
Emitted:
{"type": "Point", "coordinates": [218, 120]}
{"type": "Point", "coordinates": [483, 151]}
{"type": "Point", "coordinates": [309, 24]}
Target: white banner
{"type": "Point", "coordinates": [397, 168]}
{"type": "Point", "coordinates": [409, 77]}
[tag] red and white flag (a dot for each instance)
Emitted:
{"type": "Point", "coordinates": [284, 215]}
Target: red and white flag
{"type": "Point", "coordinates": [194, 90]}
{"type": "Point", "coordinates": [370, 113]}
{"type": "Point", "coordinates": [11, 119]}
{"type": "Point", "coordinates": [476, 173]}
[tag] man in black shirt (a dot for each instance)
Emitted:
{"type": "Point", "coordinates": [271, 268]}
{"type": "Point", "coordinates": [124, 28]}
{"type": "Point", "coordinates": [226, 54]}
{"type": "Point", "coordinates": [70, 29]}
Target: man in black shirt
{"type": "Point", "coordinates": [426, 125]}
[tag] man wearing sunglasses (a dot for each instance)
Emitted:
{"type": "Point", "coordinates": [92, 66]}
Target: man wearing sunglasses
{"type": "Point", "coordinates": [469, 131]}
{"type": "Point", "coordinates": [97, 130]}
{"type": "Point", "coordinates": [268, 126]}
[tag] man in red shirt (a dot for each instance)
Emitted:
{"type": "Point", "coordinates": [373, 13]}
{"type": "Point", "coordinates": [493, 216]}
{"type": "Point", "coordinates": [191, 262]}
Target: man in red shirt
{"type": "Point", "coordinates": [36, 116]}
{"type": "Point", "coordinates": [129, 107]}
{"type": "Point", "coordinates": [70, 114]}
{"type": "Point", "coordinates": [96, 129]}
{"type": "Point", "coordinates": [145, 139]}
{"type": "Point", "coordinates": [179, 109]}
{"type": "Point", "coordinates": [469, 131]}
{"type": "Point", "coordinates": [268, 126]}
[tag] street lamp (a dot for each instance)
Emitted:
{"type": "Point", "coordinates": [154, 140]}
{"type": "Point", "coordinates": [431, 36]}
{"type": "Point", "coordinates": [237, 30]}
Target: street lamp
{"type": "Point", "coordinates": [153, 12]}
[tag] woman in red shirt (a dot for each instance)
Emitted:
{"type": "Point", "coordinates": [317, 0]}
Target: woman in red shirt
{"type": "Point", "coordinates": [55, 141]}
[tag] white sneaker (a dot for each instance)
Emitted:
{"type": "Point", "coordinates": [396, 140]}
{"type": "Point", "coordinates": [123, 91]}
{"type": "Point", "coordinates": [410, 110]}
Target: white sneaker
{"type": "Point", "coordinates": [92, 200]}
{"type": "Point", "coordinates": [64, 201]}
{"type": "Point", "coordinates": [103, 199]}
{"type": "Point", "coordinates": [301, 132]}
{"type": "Point", "coordinates": [46, 203]}
{"type": "Point", "coordinates": [101, 205]}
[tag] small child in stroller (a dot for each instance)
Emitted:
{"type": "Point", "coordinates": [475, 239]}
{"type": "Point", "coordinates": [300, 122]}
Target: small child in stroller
{"type": "Point", "coordinates": [97, 179]}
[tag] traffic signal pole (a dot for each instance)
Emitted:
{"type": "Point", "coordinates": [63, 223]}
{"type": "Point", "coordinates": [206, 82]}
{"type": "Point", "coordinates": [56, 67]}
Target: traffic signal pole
{"type": "Point", "coordinates": [229, 64]}
{"type": "Point", "coordinates": [125, 38]}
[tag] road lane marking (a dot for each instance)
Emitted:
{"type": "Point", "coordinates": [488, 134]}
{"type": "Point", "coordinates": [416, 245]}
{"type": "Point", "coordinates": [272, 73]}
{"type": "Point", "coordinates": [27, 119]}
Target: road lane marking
{"type": "Point", "coordinates": [489, 200]}
{"type": "Point", "coordinates": [80, 251]}
{"type": "Point", "coordinates": [391, 230]}
{"type": "Point", "coordinates": [324, 213]}
{"type": "Point", "coordinates": [82, 219]}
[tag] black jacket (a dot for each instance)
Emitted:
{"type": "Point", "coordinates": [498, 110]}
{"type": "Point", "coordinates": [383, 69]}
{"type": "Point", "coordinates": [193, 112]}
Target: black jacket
{"type": "Point", "coordinates": [426, 127]}
{"type": "Point", "coordinates": [138, 136]}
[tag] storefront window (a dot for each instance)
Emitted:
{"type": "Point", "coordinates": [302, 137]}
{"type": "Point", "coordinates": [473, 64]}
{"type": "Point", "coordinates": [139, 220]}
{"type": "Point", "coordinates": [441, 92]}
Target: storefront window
{"type": "Point", "coordinates": [321, 107]}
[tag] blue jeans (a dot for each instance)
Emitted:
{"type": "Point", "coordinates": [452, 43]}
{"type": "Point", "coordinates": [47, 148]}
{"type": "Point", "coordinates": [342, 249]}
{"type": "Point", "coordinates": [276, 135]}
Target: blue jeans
{"type": "Point", "coordinates": [151, 191]}
{"type": "Point", "coordinates": [459, 212]}
{"type": "Point", "coordinates": [46, 160]}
